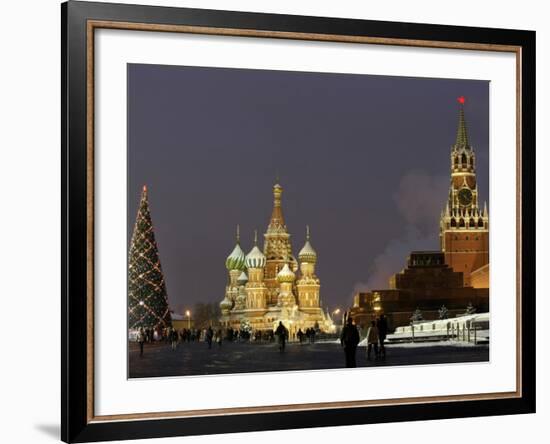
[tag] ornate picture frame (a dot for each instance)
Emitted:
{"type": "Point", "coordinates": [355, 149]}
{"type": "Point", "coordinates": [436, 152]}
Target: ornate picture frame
{"type": "Point", "coordinates": [80, 22]}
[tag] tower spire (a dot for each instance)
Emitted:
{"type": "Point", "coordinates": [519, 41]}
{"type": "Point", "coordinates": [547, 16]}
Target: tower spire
{"type": "Point", "coordinates": [277, 219]}
{"type": "Point", "coordinates": [307, 232]}
{"type": "Point", "coordinates": [238, 236]}
{"type": "Point", "coordinates": [462, 132]}
{"type": "Point", "coordinates": [255, 237]}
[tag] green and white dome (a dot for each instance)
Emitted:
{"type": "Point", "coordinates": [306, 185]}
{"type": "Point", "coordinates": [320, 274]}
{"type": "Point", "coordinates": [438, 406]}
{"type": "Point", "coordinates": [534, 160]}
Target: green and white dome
{"type": "Point", "coordinates": [255, 259]}
{"type": "Point", "coordinates": [286, 274]}
{"type": "Point", "coordinates": [236, 260]}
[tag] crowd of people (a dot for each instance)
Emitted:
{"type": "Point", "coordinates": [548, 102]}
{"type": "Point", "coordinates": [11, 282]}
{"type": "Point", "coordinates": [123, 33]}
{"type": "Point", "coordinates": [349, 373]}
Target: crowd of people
{"type": "Point", "coordinates": [209, 335]}
{"type": "Point", "coordinates": [307, 336]}
{"type": "Point", "coordinates": [172, 336]}
{"type": "Point", "coordinates": [349, 338]}
{"type": "Point", "coordinates": [375, 338]}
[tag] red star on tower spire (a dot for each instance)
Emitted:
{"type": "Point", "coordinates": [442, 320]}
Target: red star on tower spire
{"type": "Point", "coordinates": [461, 100]}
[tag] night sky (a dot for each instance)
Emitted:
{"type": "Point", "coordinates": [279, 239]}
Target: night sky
{"type": "Point", "coordinates": [364, 160]}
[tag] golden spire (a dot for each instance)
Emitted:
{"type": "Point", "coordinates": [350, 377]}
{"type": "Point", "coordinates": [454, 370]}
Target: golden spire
{"type": "Point", "coordinates": [255, 237]}
{"type": "Point", "coordinates": [461, 132]}
{"type": "Point", "coordinates": [277, 214]}
{"type": "Point", "coordinates": [307, 232]}
{"type": "Point", "coordinates": [238, 234]}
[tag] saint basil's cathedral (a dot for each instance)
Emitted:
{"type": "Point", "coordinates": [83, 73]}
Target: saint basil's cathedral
{"type": "Point", "coordinates": [271, 286]}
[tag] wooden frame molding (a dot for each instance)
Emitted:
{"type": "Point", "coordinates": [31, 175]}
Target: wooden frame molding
{"type": "Point", "coordinates": [98, 24]}
{"type": "Point", "coordinates": [80, 20]}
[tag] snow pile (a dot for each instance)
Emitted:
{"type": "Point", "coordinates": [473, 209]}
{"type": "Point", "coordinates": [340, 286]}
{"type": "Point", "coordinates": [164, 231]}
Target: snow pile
{"type": "Point", "coordinates": [432, 344]}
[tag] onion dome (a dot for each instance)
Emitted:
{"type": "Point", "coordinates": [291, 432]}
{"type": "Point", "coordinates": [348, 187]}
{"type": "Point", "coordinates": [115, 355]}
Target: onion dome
{"type": "Point", "coordinates": [226, 305]}
{"type": "Point", "coordinates": [242, 279]}
{"type": "Point", "coordinates": [286, 274]}
{"type": "Point", "coordinates": [255, 259]}
{"type": "Point", "coordinates": [307, 253]}
{"type": "Point", "coordinates": [236, 260]}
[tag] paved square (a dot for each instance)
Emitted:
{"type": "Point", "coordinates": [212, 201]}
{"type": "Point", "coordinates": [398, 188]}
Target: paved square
{"type": "Point", "coordinates": [195, 358]}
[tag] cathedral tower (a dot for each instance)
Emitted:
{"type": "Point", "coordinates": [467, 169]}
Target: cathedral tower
{"type": "Point", "coordinates": [277, 247]}
{"type": "Point", "coordinates": [464, 226]}
{"type": "Point", "coordinates": [235, 265]}
{"type": "Point", "coordinates": [256, 290]}
{"type": "Point", "coordinates": [308, 285]}
{"type": "Point", "coordinates": [286, 278]}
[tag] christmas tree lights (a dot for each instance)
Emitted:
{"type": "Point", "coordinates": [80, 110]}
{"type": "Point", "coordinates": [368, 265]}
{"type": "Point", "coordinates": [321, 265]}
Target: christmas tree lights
{"type": "Point", "coordinates": [147, 298]}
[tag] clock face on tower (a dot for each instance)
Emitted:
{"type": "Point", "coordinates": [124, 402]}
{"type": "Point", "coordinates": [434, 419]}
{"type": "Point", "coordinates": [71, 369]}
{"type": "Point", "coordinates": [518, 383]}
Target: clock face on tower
{"type": "Point", "coordinates": [465, 197]}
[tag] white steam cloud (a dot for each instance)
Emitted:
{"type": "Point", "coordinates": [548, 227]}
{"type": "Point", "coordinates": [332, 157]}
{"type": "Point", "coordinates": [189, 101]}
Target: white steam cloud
{"type": "Point", "coordinates": [420, 198]}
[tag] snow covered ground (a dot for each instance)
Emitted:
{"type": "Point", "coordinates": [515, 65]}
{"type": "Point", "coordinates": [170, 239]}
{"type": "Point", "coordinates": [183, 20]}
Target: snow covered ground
{"type": "Point", "coordinates": [423, 344]}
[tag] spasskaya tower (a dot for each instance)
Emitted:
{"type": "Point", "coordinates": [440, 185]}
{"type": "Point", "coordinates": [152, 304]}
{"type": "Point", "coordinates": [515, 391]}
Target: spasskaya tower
{"type": "Point", "coordinates": [464, 225]}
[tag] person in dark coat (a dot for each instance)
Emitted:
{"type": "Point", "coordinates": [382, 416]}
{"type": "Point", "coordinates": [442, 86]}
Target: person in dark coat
{"type": "Point", "coordinates": [173, 336]}
{"type": "Point", "coordinates": [209, 336]}
{"type": "Point", "coordinates": [282, 334]}
{"type": "Point", "coordinates": [141, 340]}
{"type": "Point", "coordinates": [300, 335]}
{"type": "Point", "coordinates": [349, 339]}
{"type": "Point", "coordinates": [382, 325]}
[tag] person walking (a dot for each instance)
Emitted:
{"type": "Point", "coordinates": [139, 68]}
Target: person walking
{"type": "Point", "coordinates": [349, 339]}
{"type": "Point", "coordinates": [282, 334]}
{"type": "Point", "coordinates": [173, 338]}
{"type": "Point", "coordinates": [219, 337]}
{"type": "Point", "coordinates": [208, 336]}
{"type": "Point", "coordinates": [372, 340]}
{"type": "Point", "coordinates": [382, 325]}
{"type": "Point", "coordinates": [141, 340]}
{"type": "Point", "coordinates": [300, 335]}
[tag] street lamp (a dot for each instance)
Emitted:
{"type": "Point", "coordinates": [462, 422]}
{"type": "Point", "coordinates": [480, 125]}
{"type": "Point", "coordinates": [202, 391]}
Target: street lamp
{"type": "Point", "coordinates": [335, 325]}
{"type": "Point", "coordinates": [188, 314]}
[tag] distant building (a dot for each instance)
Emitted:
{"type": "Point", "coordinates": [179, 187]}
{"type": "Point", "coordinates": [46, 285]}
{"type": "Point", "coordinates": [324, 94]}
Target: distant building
{"type": "Point", "coordinates": [180, 321]}
{"type": "Point", "coordinates": [426, 283]}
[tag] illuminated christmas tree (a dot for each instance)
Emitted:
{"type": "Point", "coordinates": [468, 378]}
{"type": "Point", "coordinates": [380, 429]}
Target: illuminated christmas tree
{"type": "Point", "coordinates": [147, 299]}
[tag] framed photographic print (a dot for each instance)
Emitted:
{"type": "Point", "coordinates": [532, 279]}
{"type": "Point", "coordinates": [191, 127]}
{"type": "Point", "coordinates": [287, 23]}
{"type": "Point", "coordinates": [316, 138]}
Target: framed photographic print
{"type": "Point", "coordinates": [276, 221]}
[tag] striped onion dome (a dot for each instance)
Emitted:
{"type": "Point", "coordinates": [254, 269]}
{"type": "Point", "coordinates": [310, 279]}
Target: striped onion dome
{"type": "Point", "coordinates": [242, 279]}
{"type": "Point", "coordinates": [255, 259]}
{"type": "Point", "coordinates": [236, 260]}
{"type": "Point", "coordinates": [286, 274]}
{"type": "Point", "coordinates": [307, 253]}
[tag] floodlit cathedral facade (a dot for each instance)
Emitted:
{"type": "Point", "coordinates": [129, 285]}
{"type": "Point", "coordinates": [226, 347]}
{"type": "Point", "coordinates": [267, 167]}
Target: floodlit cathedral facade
{"type": "Point", "coordinates": [464, 225]}
{"type": "Point", "coordinates": [271, 286]}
